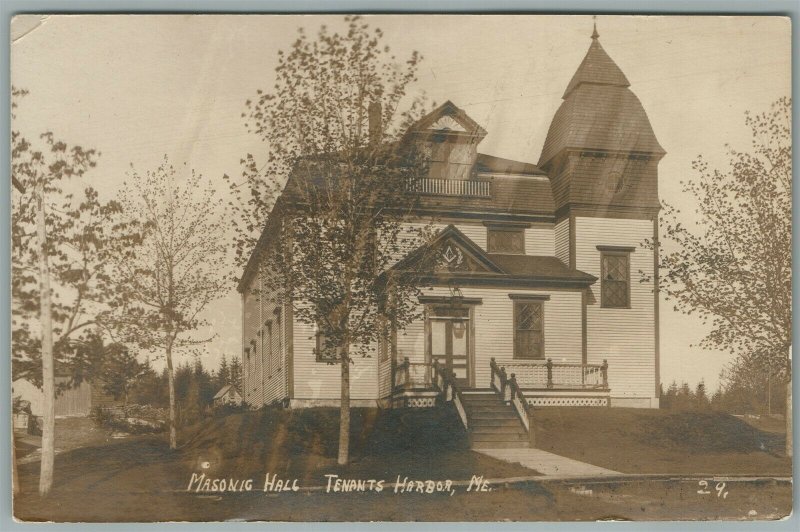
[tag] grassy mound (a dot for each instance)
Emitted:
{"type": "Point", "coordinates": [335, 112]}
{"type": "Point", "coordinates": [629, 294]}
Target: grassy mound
{"type": "Point", "coordinates": [657, 441]}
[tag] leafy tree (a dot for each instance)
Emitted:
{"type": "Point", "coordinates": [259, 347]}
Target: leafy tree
{"type": "Point", "coordinates": [733, 267]}
{"type": "Point", "coordinates": [121, 372]}
{"type": "Point", "coordinates": [111, 366]}
{"type": "Point", "coordinates": [150, 388]}
{"type": "Point", "coordinates": [178, 268]}
{"type": "Point", "coordinates": [349, 182]}
{"type": "Point", "coordinates": [60, 253]}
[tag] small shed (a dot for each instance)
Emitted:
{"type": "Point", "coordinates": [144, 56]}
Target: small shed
{"type": "Point", "coordinates": [228, 395]}
{"type": "Point", "coordinates": [70, 401]}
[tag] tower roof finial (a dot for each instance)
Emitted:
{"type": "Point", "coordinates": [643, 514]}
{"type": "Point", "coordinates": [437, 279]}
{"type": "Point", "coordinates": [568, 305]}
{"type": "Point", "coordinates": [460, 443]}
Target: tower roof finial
{"type": "Point", "coordinates": [595, 35]}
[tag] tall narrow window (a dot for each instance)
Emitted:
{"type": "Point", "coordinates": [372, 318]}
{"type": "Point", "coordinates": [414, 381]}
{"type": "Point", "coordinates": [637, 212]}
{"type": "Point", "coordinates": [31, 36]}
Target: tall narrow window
{"type": "Point", "coordinates": [278, 352]}
{"type": "Point", "coordinates": [267, 342]}
{"type": "Point", "coordinates": [384, 340]}
{"type": "Point", "coordinates": [528, 329]}
{"type": "Point", "coordinates": [325, 351]}
{"type": "Point", "coordinates": [615, 278]}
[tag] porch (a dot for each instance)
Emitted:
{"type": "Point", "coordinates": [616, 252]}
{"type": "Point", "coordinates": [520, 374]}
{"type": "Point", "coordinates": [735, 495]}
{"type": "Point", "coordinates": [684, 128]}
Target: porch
{"type": "Point", "coordinates": [542, 383]}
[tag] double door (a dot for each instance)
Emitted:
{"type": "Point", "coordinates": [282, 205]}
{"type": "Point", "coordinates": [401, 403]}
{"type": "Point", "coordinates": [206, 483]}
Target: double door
{"type": "Point", "coordinates": [449, 341]}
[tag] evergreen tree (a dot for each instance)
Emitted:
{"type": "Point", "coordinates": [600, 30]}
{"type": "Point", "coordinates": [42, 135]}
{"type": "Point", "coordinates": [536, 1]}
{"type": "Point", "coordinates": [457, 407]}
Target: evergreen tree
{"type": "Point", "coordinates": [223, 374]}
{"type": "Point", "coordinates": [685, 398]}
{"type": "Point", "coordinates": [235, 377]}
{"type": "Point", "coordinates": [700, 397]}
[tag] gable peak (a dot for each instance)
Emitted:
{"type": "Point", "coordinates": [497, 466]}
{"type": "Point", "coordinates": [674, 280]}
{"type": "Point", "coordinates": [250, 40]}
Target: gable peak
{"type": "Point", "coordinates": [448, 118]}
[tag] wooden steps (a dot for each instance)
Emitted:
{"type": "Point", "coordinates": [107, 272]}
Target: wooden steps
{"type": "Point", "coordinates": [493, 424]}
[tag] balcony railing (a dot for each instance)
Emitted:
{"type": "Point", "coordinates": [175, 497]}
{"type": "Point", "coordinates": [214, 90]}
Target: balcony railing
{"type": "Point", "coordinates": [472, 188]}
{"type": "Point", "coordinates": [550, 375]}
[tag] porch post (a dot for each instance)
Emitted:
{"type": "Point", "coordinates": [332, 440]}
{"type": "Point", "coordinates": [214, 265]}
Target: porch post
{"type": "Point", "coordinates": [549, 366]}
{"type": "Point", "coordinates": [604, 370]}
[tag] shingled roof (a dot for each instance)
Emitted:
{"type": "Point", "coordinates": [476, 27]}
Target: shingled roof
{"type": "Point", "coordinates": [599, 112]}
{"type": "Point", "coordinates": [597, 68]}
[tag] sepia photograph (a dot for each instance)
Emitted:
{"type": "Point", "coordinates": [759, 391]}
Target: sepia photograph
{"type": "Point", "coordinates": [471, 268]}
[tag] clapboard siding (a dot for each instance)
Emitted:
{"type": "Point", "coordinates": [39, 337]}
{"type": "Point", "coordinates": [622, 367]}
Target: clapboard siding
{"type": "Point", "coordinates": [271, 345]}
{"type": "Point", "coordinates": [384, 377]}
{"type": "Point", "coordinates": [624, 337]}
{"type": "Point", "coordinates": [494, 335]}
{"type": "Point", "coordinates": [252, 380]}
{"type": "Point", "coordinates": [75, 401]}
{"type": "Point", "coordinates": [264, 365]}
{"type": "Point", "coordinates": [539, 240]}
{"type": "Point", "coordinates": [320, 380]}
{"type": "Point", "coordinates": [561, 244]}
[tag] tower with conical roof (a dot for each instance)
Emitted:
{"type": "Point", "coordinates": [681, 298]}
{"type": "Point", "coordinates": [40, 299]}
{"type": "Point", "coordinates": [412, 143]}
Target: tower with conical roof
{"type": "Point", "coordinates": [602, 156]}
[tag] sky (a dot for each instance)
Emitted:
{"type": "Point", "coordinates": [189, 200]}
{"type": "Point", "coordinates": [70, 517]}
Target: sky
{"type": "Point", "coordinates": [138, 87]}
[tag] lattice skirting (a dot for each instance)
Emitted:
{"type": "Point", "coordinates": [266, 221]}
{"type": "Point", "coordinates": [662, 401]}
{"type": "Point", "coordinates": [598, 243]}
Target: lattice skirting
{"type": "Point", "coordinates": [420, 402]}
{"type": "Point", "coordinates": [568, 401]}
{"type": "Point", "coordinates": [414, 402]}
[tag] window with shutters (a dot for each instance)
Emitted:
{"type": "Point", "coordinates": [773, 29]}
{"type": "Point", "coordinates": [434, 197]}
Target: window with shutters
{"type": "Point", "coordinates": [505, 240]}
{"type": "Point", "coordinates": [529, 329]}
{"type": "Point", "coordinates": [615, 279]}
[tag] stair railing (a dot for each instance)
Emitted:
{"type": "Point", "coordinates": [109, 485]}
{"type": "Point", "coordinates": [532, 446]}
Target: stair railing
{"type": "Point", "coordinates": [509, 390]}
{"type": "Point", "coordinates": [523, 409]}
{"type": "Point", "coordinates": [499, 380]}
{"type": "Point", "coordinates": [445, 382]}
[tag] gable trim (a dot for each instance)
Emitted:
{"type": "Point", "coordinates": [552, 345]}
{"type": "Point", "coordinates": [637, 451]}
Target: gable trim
{"type": "Point", "coordinates": [462, 240]}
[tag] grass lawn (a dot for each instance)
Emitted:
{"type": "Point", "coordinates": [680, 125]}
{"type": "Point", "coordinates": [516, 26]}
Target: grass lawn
{"type": "Point", "coordinates": [115, 480]}
{"type": "Point", "coordinates": [140, 479]}
{"type": "Point", "coordinates": [633, 440]}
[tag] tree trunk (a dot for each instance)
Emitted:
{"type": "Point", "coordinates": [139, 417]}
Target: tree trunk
{"type": "Point", "coordinates": [344, 411]}
{"type": "Point", "coordinates": [48, 370]}
{"type": "Point", "coordinates": [173, 431]}
{"type": "Point", "coordinates": [788, 415]}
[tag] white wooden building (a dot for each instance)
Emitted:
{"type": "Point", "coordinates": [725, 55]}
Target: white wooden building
{"type": "Point", "coordinates": [543, 264]}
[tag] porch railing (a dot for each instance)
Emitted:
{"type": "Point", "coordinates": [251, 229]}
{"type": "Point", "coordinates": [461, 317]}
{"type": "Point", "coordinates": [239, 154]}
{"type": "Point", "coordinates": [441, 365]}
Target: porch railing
{"type": "Point", "coordinates": [551, 375]}
{"type": "Point", "coordinates": [408, 375]}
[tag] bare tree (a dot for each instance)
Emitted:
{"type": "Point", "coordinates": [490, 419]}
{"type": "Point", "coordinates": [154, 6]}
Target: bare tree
{"type": "Point", "coordinates": [733, 267]}
{"type": "Point", "coordinates": [177, 270]}
{"type": "Point", "coordinates": [336, 185]}
{"type": "Point", "coordinates": [60, 285]}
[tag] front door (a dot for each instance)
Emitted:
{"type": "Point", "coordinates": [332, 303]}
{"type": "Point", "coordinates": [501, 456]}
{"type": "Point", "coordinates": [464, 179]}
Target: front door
{"type": "Point", "coordinates": [449, 341]}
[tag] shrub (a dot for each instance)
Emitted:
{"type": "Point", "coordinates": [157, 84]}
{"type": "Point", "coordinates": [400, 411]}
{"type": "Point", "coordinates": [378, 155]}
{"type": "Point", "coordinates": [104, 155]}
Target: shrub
{"type": "Point", "coordinates": [121, 420]}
